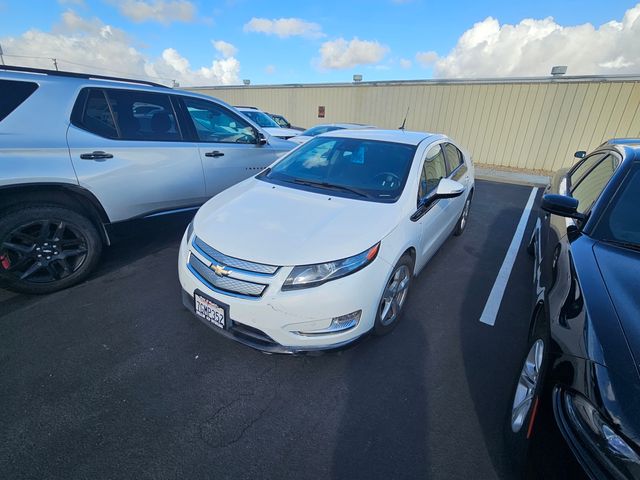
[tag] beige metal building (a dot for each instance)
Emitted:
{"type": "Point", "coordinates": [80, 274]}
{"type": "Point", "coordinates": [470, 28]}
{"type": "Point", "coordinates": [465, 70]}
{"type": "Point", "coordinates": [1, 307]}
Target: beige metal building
{"type": "Point", "coordinates": [533, 124]}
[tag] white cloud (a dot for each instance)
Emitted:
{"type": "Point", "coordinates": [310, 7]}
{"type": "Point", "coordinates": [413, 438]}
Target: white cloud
{"type": "Point", "coordinates": [161, 11]}
{"type": "Point", "coordinates": [270, 69]}
{"type": "Point", "coordinates": [405, 63]}
{"type": "Point", "coordinates": [532, 47]}
{"type": "Point", "coordinates": [341, 54]}
{"type": "Point", "coordinates": [225, 48]}
{"type": "Point", "coordinates": [426, 58]}
{"type": "Point", "coordinates": [89, 45]}
{"type": "Point", "coordinates": [284, 27]}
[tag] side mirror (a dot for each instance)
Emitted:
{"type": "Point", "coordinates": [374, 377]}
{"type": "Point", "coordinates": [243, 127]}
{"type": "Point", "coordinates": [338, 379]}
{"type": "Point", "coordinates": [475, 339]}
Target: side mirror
{"type": "Point", "coordinates": [262, 140]}
{"type": "Point", "coordinates": [580, 154]}
{"type": "Point", "coordinates": [561, 205]}
{"type": "Point", "coordinates": [449, 189]}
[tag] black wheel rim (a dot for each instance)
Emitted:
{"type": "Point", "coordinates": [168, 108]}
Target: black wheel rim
{"type": "Point", "coordinates": [42, 251]}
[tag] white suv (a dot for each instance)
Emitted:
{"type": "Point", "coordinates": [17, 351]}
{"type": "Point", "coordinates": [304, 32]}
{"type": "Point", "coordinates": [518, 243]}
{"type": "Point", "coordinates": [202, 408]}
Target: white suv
{"type": "Point", "coordinates": [80, 152]}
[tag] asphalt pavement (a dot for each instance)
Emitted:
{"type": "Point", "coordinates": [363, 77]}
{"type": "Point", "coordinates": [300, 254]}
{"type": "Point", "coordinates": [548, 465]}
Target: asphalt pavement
{"type": "Point", "coordinates": [113, 378]}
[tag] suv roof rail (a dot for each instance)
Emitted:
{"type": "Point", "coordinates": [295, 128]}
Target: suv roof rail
{"type": "Point", "coordinates": [245, 106]}
{"type": "Point", "coordinates": [61, 73]}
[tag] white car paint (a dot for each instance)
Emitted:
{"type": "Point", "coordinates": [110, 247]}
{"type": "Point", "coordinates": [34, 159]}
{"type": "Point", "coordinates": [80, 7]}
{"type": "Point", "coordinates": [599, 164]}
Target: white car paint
{"type": "Point", "coordinates": [281, 132]}
{"type": "Point", "coordinates": [276, 225]}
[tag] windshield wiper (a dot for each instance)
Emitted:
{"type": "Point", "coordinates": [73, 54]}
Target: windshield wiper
{"type": "Point", "coordinates": [623, 244]}
{"type": "Point", "coordinates": [331, 186]}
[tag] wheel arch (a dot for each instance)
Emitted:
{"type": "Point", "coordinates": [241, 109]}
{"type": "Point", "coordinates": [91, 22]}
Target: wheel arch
{"type": "Point", "coordinates": [66, 195]}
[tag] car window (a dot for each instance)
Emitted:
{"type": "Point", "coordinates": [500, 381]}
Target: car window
{"type": "Point", "coordinates": [261, 118]}
{"type": "Point", "coordinates": [214, 123]}
{"type": "Point", "coordinates": [621, 220]}
{"type": "Point", "coordinates": [96, 116]}
{"type": "Point", "coordinates": [583, 167]}
{"type": "Point", "coordinates": [453, 156]}
{"type": "Point", "coordinates": [433, 169]}
{"type": "Point", "coordinates": [143, 115]}
{"type": "Point", "coordinates": [13, 94]}
{"type": "Point", "coordinates": [365, 169]}
{"type": "Point", "coordinates": [592, 184]}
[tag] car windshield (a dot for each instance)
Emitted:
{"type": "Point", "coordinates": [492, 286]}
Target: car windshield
{"type": "Point", "coordinates": [356, 168]}
{"type": "Point", "coordinates": [318, 129]}
{"type": "Point", "coordinates": [261, 118]}
{"type": "Point", "coordinates": [621, 222]}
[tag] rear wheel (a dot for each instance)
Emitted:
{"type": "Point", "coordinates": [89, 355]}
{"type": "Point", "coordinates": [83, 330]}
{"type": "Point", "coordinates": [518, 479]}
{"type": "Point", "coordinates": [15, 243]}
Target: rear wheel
{"type": "Point", "coordinates": [464, 217]}
{"type": "Point", "coordinates": [45, 248]}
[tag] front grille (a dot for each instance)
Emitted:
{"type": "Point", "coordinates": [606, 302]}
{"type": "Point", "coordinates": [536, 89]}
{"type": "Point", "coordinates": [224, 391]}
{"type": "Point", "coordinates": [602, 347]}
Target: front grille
{"type": "Point", "coordinates": [226, 284]}
{"type": "Point", "coordinates": [233, 262]}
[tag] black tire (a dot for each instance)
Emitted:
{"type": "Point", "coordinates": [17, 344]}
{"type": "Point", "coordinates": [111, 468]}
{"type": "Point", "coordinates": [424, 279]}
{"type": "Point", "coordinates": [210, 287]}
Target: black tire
{"type": "Point", "coordinates": [518, 435]}
{"type": "Point", "coordinates": [385, 325]}
{"type": "Point", "coordinates": [58, 246]}
{"type": "Point", "coordinates": [464, 216]}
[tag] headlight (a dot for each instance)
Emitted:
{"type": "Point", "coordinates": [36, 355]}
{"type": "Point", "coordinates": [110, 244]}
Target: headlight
{"type": "Point", "coordinates": [304, 276]}
{"type": "Point", "coordinates": [613, 451]}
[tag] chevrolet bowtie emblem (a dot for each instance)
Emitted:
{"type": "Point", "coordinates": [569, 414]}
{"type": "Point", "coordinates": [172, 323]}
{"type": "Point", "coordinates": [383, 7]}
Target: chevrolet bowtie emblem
{"type": "Point", "coordinates": [220, 271]}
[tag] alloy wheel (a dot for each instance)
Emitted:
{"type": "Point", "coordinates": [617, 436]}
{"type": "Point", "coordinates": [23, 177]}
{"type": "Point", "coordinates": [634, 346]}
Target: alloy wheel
{"type": "Point", "coordinates": [527, 385]}
{"type": "Point", "coordinates": [43, 251]}
{"type": "Point", "coordinates": [394, 295]}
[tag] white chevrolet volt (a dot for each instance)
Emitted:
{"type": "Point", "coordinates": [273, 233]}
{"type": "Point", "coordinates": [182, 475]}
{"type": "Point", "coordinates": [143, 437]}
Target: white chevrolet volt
{"type": "Point", "coordinates": [320, 249]}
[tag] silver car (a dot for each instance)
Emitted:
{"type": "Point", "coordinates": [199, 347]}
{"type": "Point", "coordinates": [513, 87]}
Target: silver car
{"type": "Point", "coordinates": [80, 152]}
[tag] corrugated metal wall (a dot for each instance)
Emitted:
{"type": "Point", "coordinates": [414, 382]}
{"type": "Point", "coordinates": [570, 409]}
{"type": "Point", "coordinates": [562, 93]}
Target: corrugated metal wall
{"type": "Point", "coordinates": [533, 124]}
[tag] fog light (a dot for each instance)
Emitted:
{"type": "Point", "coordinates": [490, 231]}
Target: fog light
{"type": "Point", "coordinates": [338, 324]}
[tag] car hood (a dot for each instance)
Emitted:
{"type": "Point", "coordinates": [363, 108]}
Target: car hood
{"type": "Point", "coordinates": [619, 268]}
{"type": "Point", "coordinates": [281, 132]}
{"type": "Point", "coordinates": [266, 223]}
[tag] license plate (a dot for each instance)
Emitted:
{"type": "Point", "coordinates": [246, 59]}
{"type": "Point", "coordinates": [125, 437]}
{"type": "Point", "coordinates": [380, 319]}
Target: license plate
{"type": "Point", "coordinates": [209, 310]}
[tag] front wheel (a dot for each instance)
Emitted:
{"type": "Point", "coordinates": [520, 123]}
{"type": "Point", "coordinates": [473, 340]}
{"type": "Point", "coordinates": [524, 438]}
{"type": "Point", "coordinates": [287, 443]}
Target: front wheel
{"type": "Point", "coordinates": [394, 296]}
{"type": "Point", "coordinates": [527, 399]}
{"type": "Point", "coordinates": [45, 248]}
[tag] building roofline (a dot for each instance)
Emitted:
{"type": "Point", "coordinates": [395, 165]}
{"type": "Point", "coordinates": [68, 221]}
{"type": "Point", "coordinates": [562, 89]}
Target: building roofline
{"type": "Point", "coordinates": [439, 81]}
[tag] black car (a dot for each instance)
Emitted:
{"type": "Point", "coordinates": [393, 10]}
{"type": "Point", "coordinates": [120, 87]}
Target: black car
{"type": "Point", "coordinates": [583, 356]}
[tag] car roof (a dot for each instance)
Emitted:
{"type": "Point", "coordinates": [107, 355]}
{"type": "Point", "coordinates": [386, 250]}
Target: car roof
{"type": "Point", "coordinates": [397, 136]}
{"type": "Point", "coordinates": [343, 125]}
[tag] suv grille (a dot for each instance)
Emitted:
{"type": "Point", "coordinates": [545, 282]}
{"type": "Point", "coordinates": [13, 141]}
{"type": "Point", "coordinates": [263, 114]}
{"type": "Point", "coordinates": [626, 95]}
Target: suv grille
{"type": "Point", "coordinates": [226, 284]}
{"type": "Point", "coordinates": [221, 258]}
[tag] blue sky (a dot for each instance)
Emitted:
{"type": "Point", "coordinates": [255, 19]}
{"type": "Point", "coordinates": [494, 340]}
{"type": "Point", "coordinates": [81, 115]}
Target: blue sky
{"type": "Point", "coordinates": [319, 48]}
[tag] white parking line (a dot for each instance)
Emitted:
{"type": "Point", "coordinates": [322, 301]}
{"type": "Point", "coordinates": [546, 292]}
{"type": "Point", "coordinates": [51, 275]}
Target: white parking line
{"type": "Point", "coordinates": [492, 306]}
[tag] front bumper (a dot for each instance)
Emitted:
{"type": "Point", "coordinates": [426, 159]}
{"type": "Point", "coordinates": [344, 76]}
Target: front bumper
{"type": "Point", "coordinates": [283, 322]}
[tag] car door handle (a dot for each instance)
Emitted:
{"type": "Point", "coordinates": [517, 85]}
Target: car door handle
{"type": "Point", "coordinates": [215, 153]}
{"type": "Point", "coordinates": [97, 155]}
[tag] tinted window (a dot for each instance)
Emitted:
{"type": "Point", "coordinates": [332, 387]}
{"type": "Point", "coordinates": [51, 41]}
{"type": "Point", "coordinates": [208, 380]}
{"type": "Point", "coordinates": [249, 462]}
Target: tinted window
{"type": "Point", "coordinates": [13, 94]}
{"type": "Point", "coordinates": [143, 115]}
{"type": "Point", "coordinates": [621, 221]}
{"type": "Point", "coordinates": [584, 166]}
{"type": "Point", "coordinates": [453, 157]}
{"type": "Point", "coordinates": [433, 170]}
{"type": "Point", "coordinates": [319, 129]}
{"type": "Point", "coordinates": [97, 116]}
{"type": "Point", "coordinates": [375, 170]}
{"type": "Point", "coordinates": [214, 123]}
{"type": "Point", "coordinates": [261, 118]}
{"type": "Point", "coordinates": [592, 184]}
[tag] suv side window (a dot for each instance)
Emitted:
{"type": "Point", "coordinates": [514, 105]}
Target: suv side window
{"type": "Point", "coordinates": [214, 123]}
{"type": "Point", "coordinates": [453, 156]}
{"type": "Point", "coordinates": [96, 116]}
{"type": "Point", "coordinates": [433, 169]}
{"type": "Point", "coordinates": [13, 94]}
{"type": "Point", "coordinates": [592, 184]}
{"type": "Point", "coordinates": [143, 115]}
